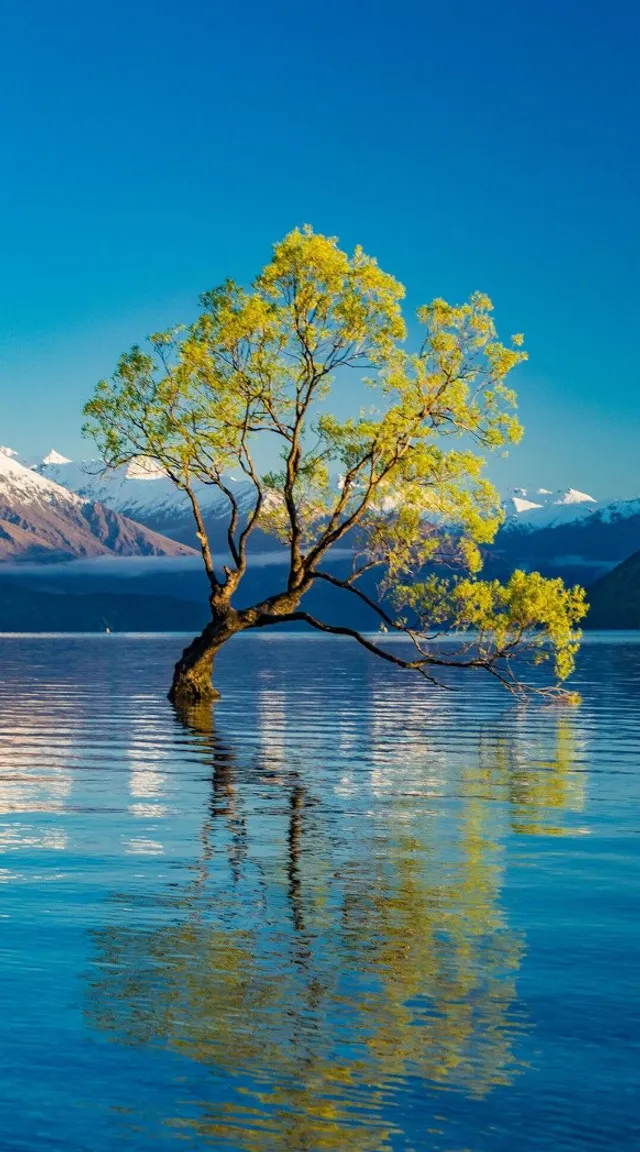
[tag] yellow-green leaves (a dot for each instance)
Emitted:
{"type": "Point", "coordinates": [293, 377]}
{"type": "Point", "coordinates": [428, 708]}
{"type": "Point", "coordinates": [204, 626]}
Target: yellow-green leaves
{"type": "Point", "coordinates": [402, 481]}
{"type": "Point", "coordinates": [336, 307]}
{"type": "Point", "coordinates": [529, 620]}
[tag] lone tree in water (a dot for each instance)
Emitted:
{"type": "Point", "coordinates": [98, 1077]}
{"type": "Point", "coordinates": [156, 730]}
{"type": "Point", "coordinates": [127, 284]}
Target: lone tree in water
{"type": "Point", "coordinates": [401, 482]}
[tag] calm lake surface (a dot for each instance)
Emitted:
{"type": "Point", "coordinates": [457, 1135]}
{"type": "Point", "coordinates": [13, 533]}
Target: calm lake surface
{"type": "Point", "coordinates": [355, 913]}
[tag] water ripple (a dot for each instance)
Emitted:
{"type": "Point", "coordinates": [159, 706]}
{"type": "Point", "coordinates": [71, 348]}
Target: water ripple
{"type": "Point", "coordinates": [343, 911]}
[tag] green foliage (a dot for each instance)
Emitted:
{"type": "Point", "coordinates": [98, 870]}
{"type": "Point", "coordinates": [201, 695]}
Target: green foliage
{"type": "Point", "coordinates": [403, 478]}
{"type": "Point", "coordinates": [528, 617]}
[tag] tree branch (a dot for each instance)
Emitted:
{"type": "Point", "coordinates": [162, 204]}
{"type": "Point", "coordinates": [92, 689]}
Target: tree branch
{"type": "Point", "coordinates": [483, 663]}
{"type": "Point", "coordinates": [265, 620]}
{"type": "Point", "coordinates": [349, 587]}
{"type": "Point", "coordinates": [203, 539]}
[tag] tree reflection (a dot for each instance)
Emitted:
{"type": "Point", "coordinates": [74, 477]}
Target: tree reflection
{"type": "Point", "coordinates": [541, 786]}
{"type": "Point", "coordinates": [311, 977]}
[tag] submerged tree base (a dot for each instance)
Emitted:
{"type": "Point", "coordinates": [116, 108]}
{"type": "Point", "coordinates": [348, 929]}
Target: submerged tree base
{"type": "Point", "coordinates": [192, 676]}
{"type": "Point", "coordinates": [188, 693]}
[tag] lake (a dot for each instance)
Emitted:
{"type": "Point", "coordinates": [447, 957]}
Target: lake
{"type": "Point", "coordinates": [354, 912]}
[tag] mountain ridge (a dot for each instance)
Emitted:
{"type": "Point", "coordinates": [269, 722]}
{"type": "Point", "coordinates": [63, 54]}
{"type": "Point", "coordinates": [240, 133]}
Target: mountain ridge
{"type": "Point", "coordinates": [567, 533]}
{"type": "Point", "coordinates": [42, 520]}
{"type": "Point", "coordinates": [614, 599]}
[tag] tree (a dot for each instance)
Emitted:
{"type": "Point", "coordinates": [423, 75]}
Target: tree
{"type": "Point", "coordinates": [401, 482]}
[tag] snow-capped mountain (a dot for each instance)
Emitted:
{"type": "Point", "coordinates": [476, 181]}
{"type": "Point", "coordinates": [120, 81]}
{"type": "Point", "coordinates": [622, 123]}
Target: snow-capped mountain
{"type": "Point", "coordinates": [54, 457]}
{"type": "Point", "coordinates": [142, 492]}
{"type": "Point", "coordinates": [40, 519]}
{"type": "Point", "coordinates": [567, 533]}
{"type": "Point", "coordinates": [529, 510]}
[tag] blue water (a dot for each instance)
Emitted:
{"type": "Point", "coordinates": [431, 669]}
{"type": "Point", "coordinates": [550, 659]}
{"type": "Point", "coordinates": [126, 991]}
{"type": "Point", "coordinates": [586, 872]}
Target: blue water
{"type": "Point", "coordinates": [353, 913]}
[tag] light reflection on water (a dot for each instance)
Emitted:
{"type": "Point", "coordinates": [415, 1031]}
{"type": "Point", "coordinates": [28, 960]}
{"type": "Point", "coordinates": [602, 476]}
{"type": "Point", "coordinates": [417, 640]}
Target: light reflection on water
{"type": "Point", "coordinates": [346, 912]}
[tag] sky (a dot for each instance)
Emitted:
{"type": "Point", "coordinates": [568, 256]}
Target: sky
{"type": "Point", "coordinates": [149, 150]}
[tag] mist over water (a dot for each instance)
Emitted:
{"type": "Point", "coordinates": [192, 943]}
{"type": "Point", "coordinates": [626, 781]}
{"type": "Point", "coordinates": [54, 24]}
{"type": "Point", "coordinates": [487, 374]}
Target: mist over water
{"type": "Point", "coordinates": [128, 567]}
{"type": "Point", "coordinates": [345, 911]}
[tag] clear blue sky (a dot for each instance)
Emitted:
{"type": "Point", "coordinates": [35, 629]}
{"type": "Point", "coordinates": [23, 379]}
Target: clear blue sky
{"type": "Point", "coordinates": [150, 149]}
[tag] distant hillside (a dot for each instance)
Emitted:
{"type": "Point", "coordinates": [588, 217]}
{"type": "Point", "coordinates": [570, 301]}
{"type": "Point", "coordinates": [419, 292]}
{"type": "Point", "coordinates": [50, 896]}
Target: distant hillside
{"type": "Point", "coordinates": [28, 609]}
{"type": "Point", "coordinates": [566, 533]}
{"type": "Point", "coordinates": [615, 599]}
{"type": "Point", "coordinates": [53, 509]}
{"type": "Point", "coordinates": [170, 596]}
{"type": "Point", "coordinates": [595, 541]}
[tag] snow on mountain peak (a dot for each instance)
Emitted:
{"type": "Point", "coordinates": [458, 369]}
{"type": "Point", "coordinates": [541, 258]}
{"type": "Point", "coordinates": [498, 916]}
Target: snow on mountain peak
{"type": "Point", "coordinates": [141, 491]}
{"type": "Point", "coordinates": [53, 457]}
{"type": "Point", "coordinates": [142, 469]}
{"type": "Point", "coordinates": [546, 509]}
{"type": "Point", "coordinates": [164, 508]}
{"type": "Point", "coordinates": [4, 451]}
{"type": "Point", "coordinates": [39, 518]}
{"type": "Point", "coordinates": [20, 483]}
{"type": "Point", "coordinates": [521, 504]}
{"type": "Point", "coordinates": [573, 496]}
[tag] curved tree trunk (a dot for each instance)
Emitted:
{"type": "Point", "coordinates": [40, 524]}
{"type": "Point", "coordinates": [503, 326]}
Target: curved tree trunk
{"type": "Point", "coordinates": [192, 675]}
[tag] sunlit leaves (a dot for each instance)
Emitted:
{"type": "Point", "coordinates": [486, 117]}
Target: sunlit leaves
{"type": "Point", "coordinates": [402, 480]}
{"type": "Point", "coordinates": [527, 619]}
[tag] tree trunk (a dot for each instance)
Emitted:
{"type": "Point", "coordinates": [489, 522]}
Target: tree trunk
{"type": "Point", "coordinates": [192, 675]}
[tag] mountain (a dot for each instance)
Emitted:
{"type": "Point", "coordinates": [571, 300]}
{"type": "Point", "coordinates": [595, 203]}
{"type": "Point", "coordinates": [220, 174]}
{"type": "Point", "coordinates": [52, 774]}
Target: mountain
{"type": "Point", "coordinates": [54, 457]}
{"type": "Point", "coordinates": [614, 599]}
{"type": "Point", "coordinates": [29, 609]}
{"type": "Point", "coordinates": [528, 511]}
{"type": "Point", "coordinates": [57, 509]}
{"type": "Point", "coordinates": [568, 534]}
{"type": "Point", "coordinates": [141, 492]}
{"type": "Point", "coordinates": [147, 593]}
{"type": "Point", "coordinates": [41, 520]}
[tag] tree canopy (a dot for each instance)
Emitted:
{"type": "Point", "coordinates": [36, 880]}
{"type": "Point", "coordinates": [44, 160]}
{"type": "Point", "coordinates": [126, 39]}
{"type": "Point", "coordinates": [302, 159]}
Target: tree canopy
{"type": "Point", "coordinates": [400, 482]}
